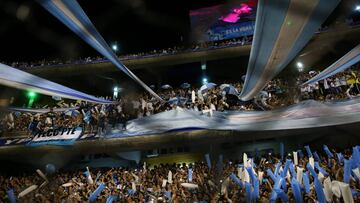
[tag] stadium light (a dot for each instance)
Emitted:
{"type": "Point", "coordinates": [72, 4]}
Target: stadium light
{"type": "Point", "coordinates": [32, 97]}
{"type": "Point", "coordinates": [31, 94]}
{"type": "Point", "coordinates": [204, 80]}
{"type": "Point", "coordinates": [357, 8]}
{"type": "Point", "coordinates": [300, 66]}
{"type": "Point", "coordinates": [114, 47]}
{"type": "Point", "coordinates": [116, 92]}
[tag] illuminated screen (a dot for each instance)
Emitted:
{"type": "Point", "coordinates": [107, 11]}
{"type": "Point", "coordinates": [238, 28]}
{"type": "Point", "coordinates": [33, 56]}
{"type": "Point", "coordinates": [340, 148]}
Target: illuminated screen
{"type": "Point", "coordinates": [225, 21]}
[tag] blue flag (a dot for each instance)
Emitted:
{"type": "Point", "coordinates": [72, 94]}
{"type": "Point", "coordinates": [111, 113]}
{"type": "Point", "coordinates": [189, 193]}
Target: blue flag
{"type": "Point", "coordinates": [190, 174]}
{"type": "Point", "coordinates": [96, 193]}
{"type": "Point", "coordinates": [168, 195]}
{"type": "Point", "coordinates": [236, 180]}
{"type": "Point", "coordinates": [282, 195]}
{"type": "Point", "coordinates": [320, 169]}
{"type": "Point", "coordinates": [296, 190]}
{"type": "Point", "coordinates": [282, 150]}
{"type": "Point", "coordinates": [300, 153]}
{"type": "Point", "coordinates": [292, 170]}
{"type": "Point", "coordinates": [271, 174]}
{"type": "Point", "coordinates": [356, 157]}
{"type": "Point", "coordinates": [347, 170]}
{"type": "Point", "coordinates": [208, 161]}
{"type": "Point", "coordinates": [110, 199]}
{"type": "Point", "coordinates": [256, 192]}
{"type": "Point", "coordinates": [277, 186]}
{"type": "Point", "coordinates": [316, 156]}
{"type": "Point", "coordinates": [339, 157]}
{"type": "Point", "coordinates": [248, 192]}
{"type": "Point", "coordinates": [328, 152]}
{"type": "Point", "coordinates": [306, 183]}
{"type": "Point", "coordinates": [308, 151]}
{"type": "Point", "coordinates": [319, 191]}
{"type": "Point", "coordinates": [286, 167]}
{"type": "Point", "coordinates": [11, 196]}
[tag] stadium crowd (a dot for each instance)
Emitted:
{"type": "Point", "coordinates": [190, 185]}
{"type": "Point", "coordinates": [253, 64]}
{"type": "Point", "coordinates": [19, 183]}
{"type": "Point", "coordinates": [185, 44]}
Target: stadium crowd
{"type": "Point", "coordinates": [298, 177]}
{"type": "Point", "coordinates": [96, 118]}
{"type": "Point", "coordinates": [154, 53]}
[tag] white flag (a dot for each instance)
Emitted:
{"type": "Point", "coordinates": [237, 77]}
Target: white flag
{"type": "Point", "coordinates": [169, 177]}
{"type": "Point", "coordinates": [296, 161]}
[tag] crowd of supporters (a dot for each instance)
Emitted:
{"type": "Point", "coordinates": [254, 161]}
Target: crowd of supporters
{"type": "Point", "coordinates": [323, 176]}
{"type": "Point", "coordinates": [96, 118]}
{"type": "Point", "coordinates": [154, 53]}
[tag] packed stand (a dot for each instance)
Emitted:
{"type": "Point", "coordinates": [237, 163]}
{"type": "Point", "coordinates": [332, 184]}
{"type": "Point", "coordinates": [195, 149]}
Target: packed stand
{"type": "Point", "coordinates": [162, 52]}
{"type": "Point", "coordinates": [207, 99]}
{"type": "Point", "coordinates": [300, 177]}
{"type": "Point", "coordinates": [343, 85]}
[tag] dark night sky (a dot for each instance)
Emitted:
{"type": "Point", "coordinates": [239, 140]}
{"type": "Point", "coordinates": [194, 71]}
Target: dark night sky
{"type": "Point", "coordinates": [28, 32]}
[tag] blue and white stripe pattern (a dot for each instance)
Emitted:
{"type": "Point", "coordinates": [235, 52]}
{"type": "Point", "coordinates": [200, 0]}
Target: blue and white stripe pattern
{"type": "Point", "coordinates": [342, 64]}
{"type": "Point", "coordinates": [283, 27]}
{"type": "Point", "coordinates": [18, 79]}
{"type": "Point", "coordinates": [72, 15]}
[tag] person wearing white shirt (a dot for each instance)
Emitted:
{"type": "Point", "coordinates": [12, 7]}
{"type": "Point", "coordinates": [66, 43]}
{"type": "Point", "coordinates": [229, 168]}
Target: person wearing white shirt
{"type": "Point", "coordinates": [212, 107]}
{"type": "Point", "coordinates": [193, 97]}
{"type": "Point", "coordinates": [326, 87]}
{"type": "Point", "coordinates": [136, 104]}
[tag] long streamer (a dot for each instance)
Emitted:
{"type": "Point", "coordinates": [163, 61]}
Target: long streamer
{"type": "Point", "coordinates": [70, 13]}
{"type": "Point", "coordinates": [18, 79]}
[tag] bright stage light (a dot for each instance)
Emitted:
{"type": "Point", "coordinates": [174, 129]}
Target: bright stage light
{"type": "Point", "coordinates": [114, 47]}
{"type": "Point", "coordinates": [357, 8]}
{"type": "Point", "coordinates": [31, 94]}
{"type": "Point", "coordinates": [299, 65]}
{"type": "Point", "coordinates": [116, 92]}
{"type": "Point", "coordinates": [204, 81]}
{"type": "Point", "coordinates": [32, 97]}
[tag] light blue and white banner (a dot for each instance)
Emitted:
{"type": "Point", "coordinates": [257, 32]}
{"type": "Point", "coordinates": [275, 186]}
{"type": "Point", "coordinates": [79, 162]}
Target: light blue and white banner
{"type": "Point", "coordinates": [70, 13]}
{"type": "Point", "coordinates": [306, 114]}
{"type": "Point", "coordinates": [61, 136]}
{"type": "Point", "coordinates": [41, 111]}
{"type": "Point", "coordinates": [18, 79]}
{"type": "Point", "coordinates": [282, 29]}
{"type": "Point", "coordinates": [342, 64]}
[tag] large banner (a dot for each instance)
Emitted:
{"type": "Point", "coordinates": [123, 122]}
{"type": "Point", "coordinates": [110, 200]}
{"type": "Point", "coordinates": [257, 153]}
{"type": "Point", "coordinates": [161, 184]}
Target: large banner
{"type": "Point", "coordinates": [70, 13]}
{"type": "Point", "coordinates": [282, 29]}
{"type": "Point", "coordinates": [306, 114]}
{"type": "Point", "coordinates": [18, 79]}
{"type": "Point", "coordinates": [230, 31]}
{"type": "Point", "coordinates": [224, 21]}
{"type": "Point", "coordinates": [60, 136]}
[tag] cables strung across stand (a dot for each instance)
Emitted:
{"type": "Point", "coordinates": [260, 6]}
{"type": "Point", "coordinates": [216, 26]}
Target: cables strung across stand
{"type": "Point", "coordinates": [70, 13]}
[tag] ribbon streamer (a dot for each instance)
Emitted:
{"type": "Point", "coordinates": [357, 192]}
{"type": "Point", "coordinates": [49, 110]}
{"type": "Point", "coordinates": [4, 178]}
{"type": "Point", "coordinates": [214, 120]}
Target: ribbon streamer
{"type": "Point", "coordinates": [208, 161]}
{"type": "Point", "coordinates": [296, 190]}
{"type": "Point", "coordinates": [70, 13]}
{"type": "Point", "coordinates": [308, 151]}
{"type": "Point", "coordinates": [18, 79]}
{"type": "Point", "coordinates": [342, 64]}
{"type": "Point", "coordinates": [347, 170]}
{"type": "Point", "coordinates": [327, 151]}
{"type": "Point", "coordinates": [11, 196]}
{"type": "Point", "coordinates": [96, 193]}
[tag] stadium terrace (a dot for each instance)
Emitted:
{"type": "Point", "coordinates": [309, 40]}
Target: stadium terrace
{"type": "Point", "coordinates": [135, 101]}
